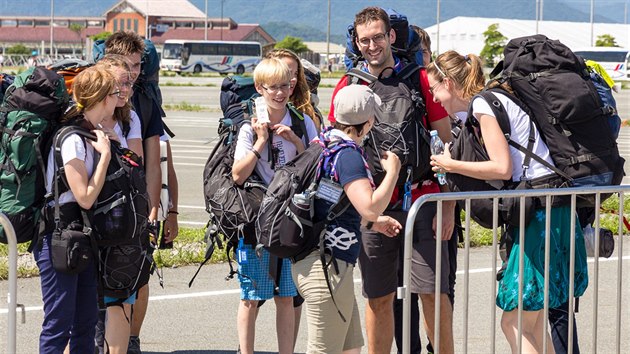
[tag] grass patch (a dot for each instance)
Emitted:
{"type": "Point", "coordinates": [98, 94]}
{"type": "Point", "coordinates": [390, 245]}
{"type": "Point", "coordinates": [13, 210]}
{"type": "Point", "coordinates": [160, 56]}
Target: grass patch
{"type": "Point", "coordinates": [184, 106]}
{"type": "Point", "coordinates": [186, 84]}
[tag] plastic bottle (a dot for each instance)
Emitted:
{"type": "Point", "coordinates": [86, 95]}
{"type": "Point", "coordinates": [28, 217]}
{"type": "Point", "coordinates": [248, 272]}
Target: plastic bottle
{"type": "Point", "coordinates": [437, 148]}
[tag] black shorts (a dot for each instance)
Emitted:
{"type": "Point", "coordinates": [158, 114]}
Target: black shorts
{"type": "Point", "coordinates": [381, 256]}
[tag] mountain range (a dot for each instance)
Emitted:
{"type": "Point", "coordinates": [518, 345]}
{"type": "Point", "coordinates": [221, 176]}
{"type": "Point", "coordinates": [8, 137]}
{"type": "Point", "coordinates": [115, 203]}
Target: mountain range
{"type": "Point", "coordinates": [308, 19]}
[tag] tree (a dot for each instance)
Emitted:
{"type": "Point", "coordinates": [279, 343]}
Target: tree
{"type": "Point", "coordinates": [77, 28]}
{"type": "Point", "coordinates": [101, 35]}
{"type": "Point", "coordinates": [18, 49]}
{"type": "Point", "coordinates": [292, 43]}
{"type": "Point", "coordinates": [606, 40]}
{"type": "Point", "coordinates": [494, 44]}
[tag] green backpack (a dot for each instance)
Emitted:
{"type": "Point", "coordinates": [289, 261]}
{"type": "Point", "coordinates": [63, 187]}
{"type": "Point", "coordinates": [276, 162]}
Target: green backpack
{"type": "Point", "coordinates": [29, 113]}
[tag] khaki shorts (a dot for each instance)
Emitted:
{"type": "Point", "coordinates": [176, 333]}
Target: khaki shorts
{"type": "Point", "coordinates": [327, 332]}
{"type": "Point", "coordinates": [381, 257]}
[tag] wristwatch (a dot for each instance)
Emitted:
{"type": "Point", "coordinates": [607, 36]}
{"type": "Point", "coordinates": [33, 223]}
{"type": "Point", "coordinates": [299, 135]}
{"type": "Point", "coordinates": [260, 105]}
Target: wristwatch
{"type": "Point", "coordinates": [369, 225]}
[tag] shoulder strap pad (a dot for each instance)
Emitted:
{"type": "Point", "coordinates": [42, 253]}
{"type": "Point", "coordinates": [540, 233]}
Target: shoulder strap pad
{"type": "Point", "coordinates": [356, 74]}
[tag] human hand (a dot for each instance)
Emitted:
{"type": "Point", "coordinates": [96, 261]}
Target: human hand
{"type": "Point", "coordinates": [442, 161]}
{"type": "Point", "coordinates": [261, 129]}
{"type": "Point", "coordinates": [390, 162]}
{"type": "Point", "coordinates": [448, 221]}
{"type": "Point", "coordinates": [387, 226]}
{"type": "Point", "coordinates": [102, 144]}
{"type": "Point", "coordinates": [111, 134]}
{"type": "Point", "coordinates": [171, 227]}
{"type": "Point", "coordinates": [286, 133]}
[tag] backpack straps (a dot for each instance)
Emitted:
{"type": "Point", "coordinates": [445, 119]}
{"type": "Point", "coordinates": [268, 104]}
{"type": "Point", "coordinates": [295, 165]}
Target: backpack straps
{"type": "Point", "coordinates": [297, 121]}
{"type": "Point", "coordinates": [502, 117]}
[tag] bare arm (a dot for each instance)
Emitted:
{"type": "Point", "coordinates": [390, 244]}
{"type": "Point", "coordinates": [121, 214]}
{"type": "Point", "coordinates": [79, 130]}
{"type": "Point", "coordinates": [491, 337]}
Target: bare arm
{"type": "Point", "coordinates": [499, 166]}
{"type": "Point", "coordinates": [86, 191]}
{"type": "Point", "coordinates": [135, 145]}
{"type": "Point", "coordinates": [371, 204]}
{"type": "Point", "coordinates": [171, 226]}
{"type": "Point", "coordinates": [153, 174]}
{"type": "Point", "coordinates": [244, 167]}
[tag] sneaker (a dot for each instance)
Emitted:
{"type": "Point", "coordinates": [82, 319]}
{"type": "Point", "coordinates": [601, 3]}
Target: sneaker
{"type": "Point", "coordinates": [134, 345]}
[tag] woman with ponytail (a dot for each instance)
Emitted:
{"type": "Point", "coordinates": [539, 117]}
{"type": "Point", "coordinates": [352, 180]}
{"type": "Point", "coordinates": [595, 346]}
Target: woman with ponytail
{"type": "Point", "coordinates": [455, 81]}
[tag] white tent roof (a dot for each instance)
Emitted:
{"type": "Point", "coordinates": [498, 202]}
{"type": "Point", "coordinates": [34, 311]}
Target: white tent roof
{"type": "Point", "coordinates": [465, 34]}
{"type": "Point", "coordinates": [320, 47]}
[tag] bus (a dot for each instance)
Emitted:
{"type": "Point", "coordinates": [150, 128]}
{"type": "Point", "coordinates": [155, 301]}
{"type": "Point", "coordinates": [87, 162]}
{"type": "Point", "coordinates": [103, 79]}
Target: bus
{"type": "Point", "coordinates": [210, 56]}
{"type": "Point", "coordinates": [614, 59]}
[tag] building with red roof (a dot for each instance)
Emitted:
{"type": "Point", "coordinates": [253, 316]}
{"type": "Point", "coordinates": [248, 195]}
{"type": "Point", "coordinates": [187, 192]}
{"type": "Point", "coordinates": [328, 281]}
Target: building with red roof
{"type": "Point", "coordinates": [159, 19]}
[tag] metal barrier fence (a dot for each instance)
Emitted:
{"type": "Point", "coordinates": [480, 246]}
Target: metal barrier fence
{"type": "Point", "coordinates": [12, 295]}
{"type": "Point", "coordinates": [404, 291]}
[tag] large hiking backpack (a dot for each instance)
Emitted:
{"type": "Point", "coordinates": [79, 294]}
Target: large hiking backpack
{"type": "Point", "coordinates": [31, 107]}
{"type": "Point", "coordinates": [286, 225]}
{"type": "Point", "coordinates": [555, 86]}
{"type": "Point", "coordinates": [400, 124]}
{"type": "Point", "coordinates": [608, 101]}
{"type": "Point", "coordinates": [118, 219]}
{"type": "Point", "coordinates": [69, 69]}
{"type": "Point", "coordinates": [231, 206]}
{"type": "Point", "coordinates": [5, 81]}
{"type": "Point", "coordinates": [408, 44]}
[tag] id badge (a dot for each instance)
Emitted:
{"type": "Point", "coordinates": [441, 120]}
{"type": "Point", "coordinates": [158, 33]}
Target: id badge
{"type": "Point", "coordinates": [329, 191]}
{"type": "Point", "coordinates": [241, 253]}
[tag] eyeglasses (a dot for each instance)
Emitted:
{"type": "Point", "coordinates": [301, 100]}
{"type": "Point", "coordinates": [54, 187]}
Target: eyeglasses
{"type": "Point", "coordinates": [377, 39]}
{"type": "Point", "coordinates": [434, 87]}
{"type": "Point", "coordinates": [277, 88]}
{"type": "Point", "coordinates": [117, 93]}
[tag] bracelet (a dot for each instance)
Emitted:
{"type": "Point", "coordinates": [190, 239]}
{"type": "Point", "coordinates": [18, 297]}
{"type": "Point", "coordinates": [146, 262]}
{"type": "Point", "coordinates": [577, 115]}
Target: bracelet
{"type": "Point", "coordinates": [256, 153]}
{"type": "Point", "coordinates": [369, 225]}
{"type": "Point", "coordinates": [173, 212]}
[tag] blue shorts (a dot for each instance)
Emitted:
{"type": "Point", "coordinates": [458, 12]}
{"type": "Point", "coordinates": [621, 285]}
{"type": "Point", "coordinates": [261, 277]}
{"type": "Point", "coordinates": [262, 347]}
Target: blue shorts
{"type": "Point", "coordinates": [256, 283]}
{"type": "Point", "coordinates": [130, 300]}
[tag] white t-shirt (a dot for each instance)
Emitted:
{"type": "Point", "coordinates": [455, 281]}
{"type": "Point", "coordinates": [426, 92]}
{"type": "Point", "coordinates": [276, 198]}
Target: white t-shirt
{"type": "Point", "coordinates": [519, 124]}
{"type": "Point", "coordinates": [135, 130]}
{"type": "Point", "coordinates": [74, 147]}
{"type": "Point", "coordinates": [286, 149]}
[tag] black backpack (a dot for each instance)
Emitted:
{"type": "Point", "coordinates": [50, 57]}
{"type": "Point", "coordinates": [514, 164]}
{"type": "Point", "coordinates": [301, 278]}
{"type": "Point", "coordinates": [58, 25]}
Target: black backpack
{"type": "Point", "coordinates": [555, 86]}
{"type": "Point", "coordinates": [400, 124]}
{"type": "Point", "coordinates": [468, 146]}
{"type": "Point", "coordinates": [232, 207]}
{"type": "Point", "coordinates": [286, 225]}
{"type": "Point", "coordinates": [118, 219]}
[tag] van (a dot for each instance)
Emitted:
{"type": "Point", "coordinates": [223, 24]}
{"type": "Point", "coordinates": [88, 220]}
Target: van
{"type": "Point", "coordinates": [614, 59]}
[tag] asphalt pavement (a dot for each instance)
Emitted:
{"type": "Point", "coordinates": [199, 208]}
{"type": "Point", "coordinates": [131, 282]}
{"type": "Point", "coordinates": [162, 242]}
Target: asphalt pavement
{"type": "Point", "coordinates": [202, 319]}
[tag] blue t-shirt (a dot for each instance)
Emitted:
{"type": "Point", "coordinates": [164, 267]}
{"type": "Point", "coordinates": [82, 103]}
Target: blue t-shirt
{"type": "Point", "coordinates": [343, 234]}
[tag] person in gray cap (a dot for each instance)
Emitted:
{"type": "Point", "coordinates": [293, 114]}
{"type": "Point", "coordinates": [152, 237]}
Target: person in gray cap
{"type": "Point", "coordinates": [333, 323]}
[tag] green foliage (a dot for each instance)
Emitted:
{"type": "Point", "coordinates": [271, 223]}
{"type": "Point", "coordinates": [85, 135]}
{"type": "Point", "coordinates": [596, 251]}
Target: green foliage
{"type": "Point", "coordinates": [20, 49]}
{"type": "Point", "coordinates": [281, 29]}
{"type": "Point", "coordinates": [76, 28]}
{"type": "Point", "coordinates": [606, 40]}
{"type": "Point", "coordinates": [494, 44]}
{"type": "Point", "coordinates": [292, 43]}
{"type": "Point", "coordinates": [101, 35]}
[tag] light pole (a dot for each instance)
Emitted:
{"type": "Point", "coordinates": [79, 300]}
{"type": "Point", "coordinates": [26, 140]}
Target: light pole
{"type": "Point", "coordinates": [328, 38]}
{"type": "Point", "coordinates": [52, 25]}
{"type": "Point", "coordinates": [592, 17]}
{"type": "Point", "coordinates": [205, 31]}
{"type": "Point", "coordinates": [437, 17]}
{"type": "Point", "coordinates": [222, 19]}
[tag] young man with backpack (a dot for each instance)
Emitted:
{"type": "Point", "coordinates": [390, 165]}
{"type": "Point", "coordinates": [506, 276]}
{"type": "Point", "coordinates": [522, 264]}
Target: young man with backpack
{"type": "Point", "coordinates": [133, 47]}
{"type": "Point", "coordinates": [380, 259]}
{"type": "Point", "coordinates": [261, 147]}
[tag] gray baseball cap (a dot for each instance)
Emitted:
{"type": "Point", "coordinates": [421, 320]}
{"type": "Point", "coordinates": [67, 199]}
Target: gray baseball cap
{"type": "Point", "coordinates": [355, 104]}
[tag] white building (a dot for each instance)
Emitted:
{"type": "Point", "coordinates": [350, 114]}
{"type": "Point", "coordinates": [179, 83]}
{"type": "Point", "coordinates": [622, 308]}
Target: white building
{"type": "Point", "coordinates": [465, 34]}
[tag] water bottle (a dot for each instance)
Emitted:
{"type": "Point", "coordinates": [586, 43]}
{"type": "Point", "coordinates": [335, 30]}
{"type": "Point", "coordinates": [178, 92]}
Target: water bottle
{"type": "Point", "coordinates": [437, 148]}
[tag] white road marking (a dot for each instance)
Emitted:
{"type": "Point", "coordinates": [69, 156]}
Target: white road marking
{"type": "Point", "coordinates": [236, 291]}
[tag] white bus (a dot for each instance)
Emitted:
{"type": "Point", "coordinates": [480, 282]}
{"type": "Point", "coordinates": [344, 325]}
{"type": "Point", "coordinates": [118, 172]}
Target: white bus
{"type": "Point", "coordinates": [210, 56]}
{"type": "Point", "coordinates": [614, 59]}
